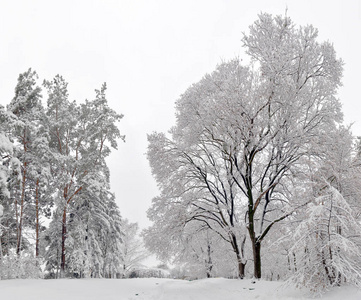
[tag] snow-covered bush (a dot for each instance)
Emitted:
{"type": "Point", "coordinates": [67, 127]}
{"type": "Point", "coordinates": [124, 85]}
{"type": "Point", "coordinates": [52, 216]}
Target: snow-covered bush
{"type": "Point", "coordinates": [143, 272]}
{"type": "Point", "coordinates": [24, 267]}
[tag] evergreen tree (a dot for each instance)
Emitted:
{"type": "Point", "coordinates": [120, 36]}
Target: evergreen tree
{"type": "Point", "coordinates": [81, 137]}
{"type": "Point", "coordinates": [26, 106]}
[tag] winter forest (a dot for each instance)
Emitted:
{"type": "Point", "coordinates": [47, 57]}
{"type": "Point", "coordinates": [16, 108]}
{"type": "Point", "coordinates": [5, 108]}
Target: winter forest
{"type": "Point", "coordinates": [258, 178]}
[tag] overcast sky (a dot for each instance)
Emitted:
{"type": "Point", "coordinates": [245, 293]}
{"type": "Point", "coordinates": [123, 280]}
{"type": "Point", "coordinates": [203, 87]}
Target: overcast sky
{"type": "Point", "coordinates": [148, 52]}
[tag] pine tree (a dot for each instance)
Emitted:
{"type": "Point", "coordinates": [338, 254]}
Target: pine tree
{"type": "Point", "coordinates": [80, 137]}
{"type": "Point", "coordinates": [26, 106]}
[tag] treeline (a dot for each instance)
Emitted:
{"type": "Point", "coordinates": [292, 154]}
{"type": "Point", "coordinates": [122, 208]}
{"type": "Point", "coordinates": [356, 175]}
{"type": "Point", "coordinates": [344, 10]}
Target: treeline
{"type": "Point", "coordinates": [57, 208]}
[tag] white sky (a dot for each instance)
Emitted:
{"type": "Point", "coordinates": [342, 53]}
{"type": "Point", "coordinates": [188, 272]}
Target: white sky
{"type": "Point", "coordinates": [149, 52]}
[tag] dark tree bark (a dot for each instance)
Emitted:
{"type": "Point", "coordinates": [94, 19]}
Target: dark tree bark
{"type": "Point", "coordinates": [209, 262]}
{"type": "Point", "coordinates": [239, 254]}
{"type": "Point", "coordinates": [257, 259]}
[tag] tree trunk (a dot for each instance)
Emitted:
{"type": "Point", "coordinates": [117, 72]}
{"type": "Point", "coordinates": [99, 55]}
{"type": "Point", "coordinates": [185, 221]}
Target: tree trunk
{"type": "Point", "coordinates": [37, 218]}
{"type": "Point", "coordinates": [241, 268]}
{"type": "Point", "coordinates": [14, 195]}
{"type": "Point", "coordinates": [63, 239]}
{"type": "Point", "coordinates": [209, 275]}
{"type": "Point", "coordinates": [1, 250]}
{"type": "Point", "coordinates": [256, 245]}
{"type": "Point", "coordinates": [22, 200]}
{"type": "Point", "coordinates": [239, 255]}
{"type": "Point", "coordinates": [57, 263]}
{"type": "Point", "coordinates": [294, 261]}
{"type": "Point", "coordinates": [209, 262]}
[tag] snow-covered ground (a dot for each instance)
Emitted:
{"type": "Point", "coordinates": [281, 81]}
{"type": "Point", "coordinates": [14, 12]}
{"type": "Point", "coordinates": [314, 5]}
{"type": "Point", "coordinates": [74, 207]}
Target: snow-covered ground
{"type": "Point", "coordinates": [158, 289]}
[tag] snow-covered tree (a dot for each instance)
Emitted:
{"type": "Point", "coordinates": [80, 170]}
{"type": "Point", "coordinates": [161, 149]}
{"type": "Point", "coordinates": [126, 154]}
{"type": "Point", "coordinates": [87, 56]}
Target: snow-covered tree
{"type": "Point", "coordinates": [112, 240]}
{"type": "Point", "coordinates": [95, 240]}
{"type": "Point", "coordinates": [81, 138]}
{"type": "Point", "coordinates": [197, 187]}
{"type": "Point", "coordinates": [205, 254]}
{"type": "Point", "coordinates": [327, 244]}
{"type": "Point", "coordinates": [6, 153]}
{"type": "Point", "coordinates": [242, 131]}
{"type": "Point", "coordinates": [26, 106]}
{"type": "Point", "coordinates": [133, 250]}
{"type": "Point", "coordinates": [53, 165]}
{"type": "Point", "coordinates": [51, 239]}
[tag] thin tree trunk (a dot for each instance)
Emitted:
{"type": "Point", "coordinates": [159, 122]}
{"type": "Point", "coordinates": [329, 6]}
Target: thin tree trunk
{"type": "Point", "coordinates": [63, 239]}
{"type": "Point", "coordinates": [57, 263]}
{"type": "Point", "coordinates": [1, 250]}
{"type": "Point", "coordinates": [209, 262]}
{"type": "Point", "coordinates": [16, 214]}
{"type": "Point", "coordinates": [22, 200]}
{"type": "Point", "coordinates": [294, 261]}
{"type": "Point", "coordinates": [7, 240]}
{"type": "Point", "coordinates": [37, 218]}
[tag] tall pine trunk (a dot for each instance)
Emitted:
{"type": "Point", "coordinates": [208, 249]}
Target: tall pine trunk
{"type": "Point", "coordinates": [22, 200]}
{"type": "Point", "coordinates": [37, 218]}
{"type": "Point", "coordinates": [16, 214]}
{"type": "Point", "coordinates": [63, 239]}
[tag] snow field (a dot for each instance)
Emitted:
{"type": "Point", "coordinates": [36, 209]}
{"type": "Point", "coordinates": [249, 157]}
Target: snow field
{"type": "Point", "coordinates": [159, 289]}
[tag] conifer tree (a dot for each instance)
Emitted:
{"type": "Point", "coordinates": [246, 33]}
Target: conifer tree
{"type": "Point", "coordinates": [80, 138]}
{"type": "Point", "coordinates": [26, 106]}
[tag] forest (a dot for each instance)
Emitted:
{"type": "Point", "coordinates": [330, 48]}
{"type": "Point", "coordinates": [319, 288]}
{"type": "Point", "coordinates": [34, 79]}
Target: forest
{"type": "Point", "coordinates": [258, 178]}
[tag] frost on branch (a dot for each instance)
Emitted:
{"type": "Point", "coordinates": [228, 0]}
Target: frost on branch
{"type": "Point", "coordinates": [327, 245]}
{"type": "Point", "coordinates": [243, 136]}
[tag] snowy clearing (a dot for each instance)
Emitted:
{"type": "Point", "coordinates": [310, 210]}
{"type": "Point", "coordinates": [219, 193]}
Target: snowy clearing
{"type": "Point", "coordinates": [158, 289]}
